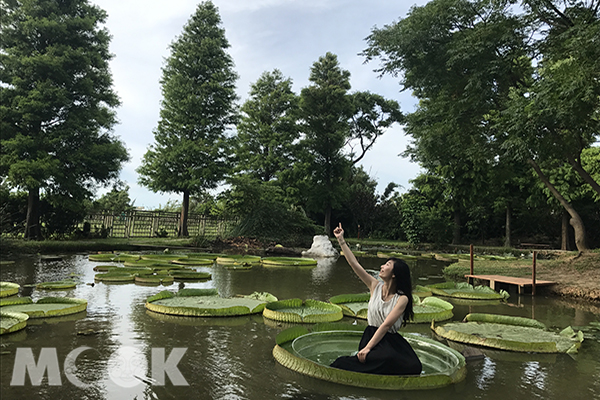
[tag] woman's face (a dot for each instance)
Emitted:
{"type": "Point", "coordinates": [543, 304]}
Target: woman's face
{"type": "Point", "coordinates": [387, 270]}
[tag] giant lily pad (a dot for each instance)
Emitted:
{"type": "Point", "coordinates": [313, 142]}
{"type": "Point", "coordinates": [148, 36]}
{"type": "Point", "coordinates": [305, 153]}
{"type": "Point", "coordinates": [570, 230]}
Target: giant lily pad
{"type": "Point", "coordinates": [192, 261]}
{"type": "Point", "coordinates": [46, 307]}
{"type": "Point", "coordinates": [154, 279]}
{"type": "Point", "coordinates": [353, 305]}
{"type": "Point", "coordinates": [8, 289]}
{"type": "Point", "coordinates": [239, 259]}
{"type": "Point", "coordinates": [431, 309]}
{"type": "Point", "coordinates": [298, 311]}
{"type": "Point", "coordinates": [465, 290]}
{"type": "Point", "coordinates": [311, 353]}
{"type": "Point", "coordinates": [289, 261]}
{"type": "Point", "coordinates": [206, 303]}
{"type": "Point", "coordinates": [104, 257]}
{"type": "Point", "coordinates": [114, 277]}
{"type": "Point", "coordinates": [510, 333]}
{"type": "Point", "coordinates": [11, 321]}
{"type": "Point", "coordinates": [207, 256]}
{"type": "Point", "coordinates": [191, 275]}
{"type": "Point", "coordinates": [57, 285]}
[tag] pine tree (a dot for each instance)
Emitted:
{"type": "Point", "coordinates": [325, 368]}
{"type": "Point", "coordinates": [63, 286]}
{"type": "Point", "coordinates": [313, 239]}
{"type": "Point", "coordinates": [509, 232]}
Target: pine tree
{"type": "Point", "coordinates": [56, 102]}
{"type": "Point", "coordinates": [198, 106]}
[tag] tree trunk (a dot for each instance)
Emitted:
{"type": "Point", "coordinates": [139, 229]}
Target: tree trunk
{"type": "Point", "coordinates": [456, 230]}
{"type": "Point", "coordinates": [564, 245]}
{"type": "Point", "coordinates": [576, 222]}
{"type": "Point", "coordinates": [507, 239]}
{"type": "Point", "coordinates": [32, 223]}
{"type": "Point", "coordinates": [576, 164]}
{"type": "Point", "coordinates": [327, 223]}
{"type": "Point", "coordinates": [183, 220]}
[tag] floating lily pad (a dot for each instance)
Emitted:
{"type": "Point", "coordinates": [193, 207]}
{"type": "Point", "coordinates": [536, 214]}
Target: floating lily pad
{"type": "Point", "coordinates": [11, 321]}
{"type": "Point", "coordinates": [114, 277]}
{"type": "Point", "coordinates": [47, 306]}
{"type": "Point", "coordinates": [510, 333]}
{"type": "Point", "coordinates": [240, 259]}
{"type": "Point", "coordinates": [311, 353]}
{"type": "Point", "coordinates": [167, 258]}
{"type": "Point", "coordinates": [206, 303]}
{"type": "Point", "coordinates": [353, 305]}
{"type": "Point", "coordinates": [192, 275]}
{"type": "Point", "coordinates": [431, 309]}
{"type": "Point", "coordinates": [8, 289]}
{"type": "Point", "coordinates": [154, 264]}
{"type": "Point", "coordinates": [465, 290]}
{"type": "Point", "coordinates": [288, 261]}
{"type": "Point", "coordinates": [208, 256]}
{"type": "Point", "coordinates": [192, 261]}
{"type": "Point", "coordinates": [298, 311]}
{"type": "Point", "coordinates": [154, 279]}
{"type": "Point", "coordinates": [114, 257]}
{"type": "Point", "coordinates": [57, 285]}
{"type": "Point", "coordinates": [422, 291]}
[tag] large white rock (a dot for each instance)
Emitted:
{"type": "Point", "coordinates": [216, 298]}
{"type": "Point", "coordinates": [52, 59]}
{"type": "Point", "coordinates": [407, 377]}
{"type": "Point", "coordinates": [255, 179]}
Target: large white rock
{"type": "Point", "coordinates": [321, 247]}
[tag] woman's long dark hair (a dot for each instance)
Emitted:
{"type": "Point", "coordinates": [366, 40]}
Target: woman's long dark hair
{"type": "Point", "coordinates": [404, 286]}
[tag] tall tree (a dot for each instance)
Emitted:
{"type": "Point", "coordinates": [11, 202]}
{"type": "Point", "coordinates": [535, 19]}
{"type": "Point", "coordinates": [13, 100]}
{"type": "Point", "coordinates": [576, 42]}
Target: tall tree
{"type": "Point", "coordinates": [459, 58]}
{"type": "Point", "coordinates": [198, 106]}
{"type": "Point", "coordinates": [57, 102]}
{"type": "Point", "coordinates": [326, 109]}
{"type": "Point", "coordinates": [268, 131]}
{"type": "Point", "coordinates": [372, 115]}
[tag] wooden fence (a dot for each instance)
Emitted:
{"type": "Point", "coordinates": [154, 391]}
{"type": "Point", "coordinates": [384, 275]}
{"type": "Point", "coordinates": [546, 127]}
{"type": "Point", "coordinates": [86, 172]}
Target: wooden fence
{"type": "Point", "coordinates": [139, 223]}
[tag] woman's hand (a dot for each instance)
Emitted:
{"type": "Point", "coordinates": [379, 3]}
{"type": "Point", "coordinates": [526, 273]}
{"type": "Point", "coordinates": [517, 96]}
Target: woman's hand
{"type": "Point", "coordinates": [362, 355]}
{"type": "Point", "coordinates": [339, 232]}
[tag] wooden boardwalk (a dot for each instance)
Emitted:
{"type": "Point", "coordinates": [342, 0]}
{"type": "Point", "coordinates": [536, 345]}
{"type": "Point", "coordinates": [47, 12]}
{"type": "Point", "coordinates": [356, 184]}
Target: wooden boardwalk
{"type": "Point", "coordinates": [521, 283]}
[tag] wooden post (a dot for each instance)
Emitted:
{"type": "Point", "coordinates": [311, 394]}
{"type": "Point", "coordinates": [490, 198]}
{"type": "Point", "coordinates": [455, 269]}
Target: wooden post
{"type": "Point", "coordinates": [533, 274]}
{"type": "Point", "coordinates": [471, 251]}
{"type": "Point", "coordinates": [471, 279]}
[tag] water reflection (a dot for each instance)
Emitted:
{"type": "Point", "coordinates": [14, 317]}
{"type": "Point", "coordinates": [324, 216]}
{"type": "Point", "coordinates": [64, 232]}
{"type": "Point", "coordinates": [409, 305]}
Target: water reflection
{"type": "Point", "coordinates": [231, 357]}
{"type": "Point", "coordinates": [486, 374]}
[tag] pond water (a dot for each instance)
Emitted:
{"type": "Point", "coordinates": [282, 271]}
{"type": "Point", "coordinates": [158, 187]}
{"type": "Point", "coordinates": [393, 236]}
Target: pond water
{"type": "Point", "coordinates": [230, 358]}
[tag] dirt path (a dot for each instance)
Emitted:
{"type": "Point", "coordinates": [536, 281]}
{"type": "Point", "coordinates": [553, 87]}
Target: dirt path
{"type": "Point", "coordinates": [576, 276]}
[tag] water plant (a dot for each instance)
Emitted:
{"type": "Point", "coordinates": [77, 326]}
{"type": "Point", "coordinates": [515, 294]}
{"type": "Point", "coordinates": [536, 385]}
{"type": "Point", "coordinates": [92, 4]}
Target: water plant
{"type": "Point", "coordinates": [11, 321]}
{"type": "Point", "coordinates": [207, 303]}
{"type": "Point", "coordinates": [8, 289]}
{"type": "Point", "coordinates": [57, 285]}
{"type": "Point", "coordinates": [288, 261]}
{"type": "Point", "coordinates": [310, 351]}
{"type": "Point", "coordinates": [465, 290]}
{"type": "Point", "coordinates": [45, 307]}
{"type": "Point", "coordinates": [510, 333]}
{"type": "Point", "coordinates": [299, 311]}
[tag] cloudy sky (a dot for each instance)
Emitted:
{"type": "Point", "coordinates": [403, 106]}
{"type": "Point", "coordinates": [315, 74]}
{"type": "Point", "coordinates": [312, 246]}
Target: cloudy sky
{"type": "Point", "coordinates": [289, 35]}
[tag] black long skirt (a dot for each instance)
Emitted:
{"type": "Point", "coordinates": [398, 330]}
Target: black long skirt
{"type": "Point", "coordinates": [393, 355]}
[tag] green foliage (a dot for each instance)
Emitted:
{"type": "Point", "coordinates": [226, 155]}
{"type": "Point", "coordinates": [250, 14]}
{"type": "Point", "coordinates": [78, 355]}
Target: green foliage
{"type": "Point", "coordinates": [57, 105]}
{"type": "Point", "coordinates": [262, 209]}
{"type": "Point", "coordinates": [117, 200]}
{"type": "Point", "coordinates": [325, 109]}
{"type": "Point", "coordinates": [268, 129]}
{"type": "Point", "coordinates": [198, 106]}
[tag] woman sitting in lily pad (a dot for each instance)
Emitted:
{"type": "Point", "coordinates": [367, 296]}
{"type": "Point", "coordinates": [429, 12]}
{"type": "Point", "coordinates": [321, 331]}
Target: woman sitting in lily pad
{"type": "Point", "coordinates": [382, 350]}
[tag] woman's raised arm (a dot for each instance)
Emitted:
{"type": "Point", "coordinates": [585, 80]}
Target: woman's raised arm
{"type": "Point", "coordinates": [364, 276]}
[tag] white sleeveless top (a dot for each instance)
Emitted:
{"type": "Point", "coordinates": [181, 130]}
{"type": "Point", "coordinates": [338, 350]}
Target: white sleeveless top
{"type": "Point", "coordinates": [378, 309]}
